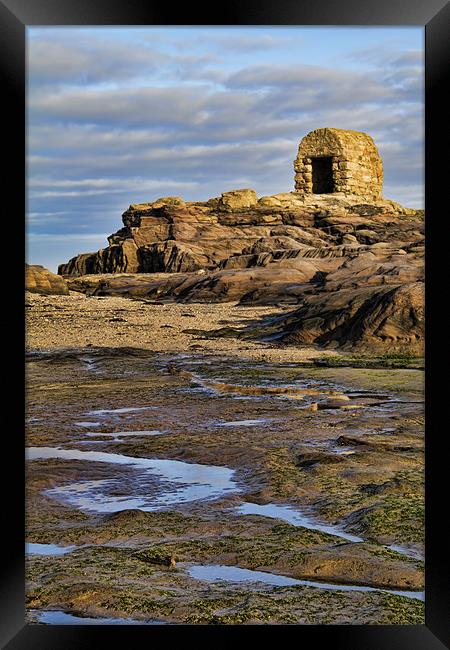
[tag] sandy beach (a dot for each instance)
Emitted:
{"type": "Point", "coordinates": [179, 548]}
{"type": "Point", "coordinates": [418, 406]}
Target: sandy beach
{"type": "Point", "coordinates": [61, 322]}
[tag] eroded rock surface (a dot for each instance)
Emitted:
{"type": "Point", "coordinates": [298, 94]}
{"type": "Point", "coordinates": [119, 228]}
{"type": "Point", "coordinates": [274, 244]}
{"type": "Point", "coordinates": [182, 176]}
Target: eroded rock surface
{"type": "Point", "coordinates": [40, 280]}
{"type": "Point", "coordinates": [170, 235]}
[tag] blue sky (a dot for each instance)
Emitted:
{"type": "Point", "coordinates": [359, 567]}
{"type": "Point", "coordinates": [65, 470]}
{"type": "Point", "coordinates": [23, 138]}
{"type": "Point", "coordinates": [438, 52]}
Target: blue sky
{"type": "Point", "coordinates": [126, 115]}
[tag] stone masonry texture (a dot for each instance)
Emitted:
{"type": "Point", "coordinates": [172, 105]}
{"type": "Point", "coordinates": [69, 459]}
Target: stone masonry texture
{"type": "Point", "coordinates": [356, 164]}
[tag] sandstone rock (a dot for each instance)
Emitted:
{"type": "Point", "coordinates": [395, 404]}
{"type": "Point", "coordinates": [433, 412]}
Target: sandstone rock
{"type": "Point", "coordinates": [380, 244]}
{"type": "Point", "coordinates": [237, 199]}
{"type": "Point", "coordinates": [172, 257]}
{"type": "Point", "coordinates": [38, 279]}
{"type": "Point", "coordinates": [269, 201]}
{"type": "Point", "coordinates": [256, 285]}
{"type": "Point", "coordinates": [269, 244]}
{"type": "Point", "coordinates": [345, 566]}
{"type": "Point", "coordinates": [169, 235]}
{"type": "Point", "coordinates": [366, 236]}
{"type": "Point", "coordinates": [83, 264]}
{"type": "Point", "coordinates": [168, 200]}
{"type": "Point", "coordinates": [370, 300]}
{"type": "Point", "coordinates": [369, 318]}
{"type": "Point", "coordinates": [367, 209]}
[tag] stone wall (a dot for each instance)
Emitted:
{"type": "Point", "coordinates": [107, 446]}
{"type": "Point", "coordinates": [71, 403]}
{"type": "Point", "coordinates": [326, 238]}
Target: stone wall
{"type": "Point", "coordinates": [356, 164]}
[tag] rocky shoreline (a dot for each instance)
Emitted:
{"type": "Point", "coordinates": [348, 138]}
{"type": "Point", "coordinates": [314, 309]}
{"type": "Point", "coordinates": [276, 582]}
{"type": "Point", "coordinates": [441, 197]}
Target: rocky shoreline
{"type": "Point", "coordinates": [330, 496]}
{"type": "Point", "coordinates": [352, 272]}
{"type": "Point", "coordinates": [225, 409]}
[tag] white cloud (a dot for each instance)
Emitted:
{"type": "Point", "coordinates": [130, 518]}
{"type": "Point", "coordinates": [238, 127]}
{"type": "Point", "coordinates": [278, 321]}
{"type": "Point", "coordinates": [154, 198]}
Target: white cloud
{"type": "Point", "coordinates": [108, 186]}
{"type": "Point", "coordinates": [88, 60]}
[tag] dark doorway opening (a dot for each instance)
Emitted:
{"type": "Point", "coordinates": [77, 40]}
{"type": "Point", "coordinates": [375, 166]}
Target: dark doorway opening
{"type": "Point", "coordinates": [322, 175]}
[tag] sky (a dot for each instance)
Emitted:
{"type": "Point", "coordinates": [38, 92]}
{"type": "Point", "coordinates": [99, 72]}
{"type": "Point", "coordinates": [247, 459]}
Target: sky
{"type": "Point", "coordinates": [121, 115]}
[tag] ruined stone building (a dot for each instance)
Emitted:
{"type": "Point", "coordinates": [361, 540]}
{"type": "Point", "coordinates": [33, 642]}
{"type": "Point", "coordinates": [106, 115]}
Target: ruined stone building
{"type": "Point", "coordinates": [335, 160]}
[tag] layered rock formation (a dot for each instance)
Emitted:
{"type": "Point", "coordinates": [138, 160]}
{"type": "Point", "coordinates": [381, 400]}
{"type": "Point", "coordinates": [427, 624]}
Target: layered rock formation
{"type": "Point", "coordinates": [40, 280]}
{"type": "Point", "coordinates": [354, 270]}
{"type": "Point", "coordinates": [378, 317]}
{"type": "Point", "coordinates": [172, 236]}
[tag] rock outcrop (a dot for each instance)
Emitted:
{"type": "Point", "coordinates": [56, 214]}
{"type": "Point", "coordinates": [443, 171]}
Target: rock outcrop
{"type": "Point", "coordinates": [352, 269]}
{"type": "Point", "coordinates": [39, 280]}
{"type": "Point", "coordinates": [173, 236]}
{"type": "Point", "coordinates": [380, 318]}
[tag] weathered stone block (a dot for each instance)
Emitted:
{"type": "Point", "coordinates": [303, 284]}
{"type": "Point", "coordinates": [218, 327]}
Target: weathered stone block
{"type": "Point", "coordinates": [236, 199]}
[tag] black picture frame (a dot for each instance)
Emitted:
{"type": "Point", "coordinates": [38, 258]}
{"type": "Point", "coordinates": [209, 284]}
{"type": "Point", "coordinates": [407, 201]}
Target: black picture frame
{"type": "Point", "coordinates": [434, 16]}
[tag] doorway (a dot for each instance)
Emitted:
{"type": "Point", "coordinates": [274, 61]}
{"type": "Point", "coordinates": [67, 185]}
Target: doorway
{"type": "Point", "coordinates": [322, 175]}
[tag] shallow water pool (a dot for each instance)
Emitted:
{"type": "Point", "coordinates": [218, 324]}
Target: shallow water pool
{"type": "Point", "coordinates": [158, 483]}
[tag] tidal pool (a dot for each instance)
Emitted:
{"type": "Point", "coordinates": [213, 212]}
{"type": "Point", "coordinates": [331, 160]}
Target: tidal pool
{"type": "Point", "coordinates": [342, 451]}
{"type": "Point", "coordinates": [130, 409]}
{"type": "Point", "coordinates": [405, 550]}
{"type": "Point", "coordinates": [213, 572]}
{"type": "Point", "coordinates": [87, 423]}
{"type": "Point", "coordinates": [47, 549]}
{"type": "Point", "coordinates": [241, 423]}
{"type": "Point", "coordinates": [177, 482]}
{"type": "Point", "coordinates": [116, 436]}
{"type": "Point", "coordinates": [58, 617]}
{"type": "Point", "coordinates": [296, 518]}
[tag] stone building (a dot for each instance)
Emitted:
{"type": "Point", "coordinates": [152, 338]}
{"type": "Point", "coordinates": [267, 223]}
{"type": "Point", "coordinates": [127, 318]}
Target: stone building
{"type": "Point", "coordinates": [335, 160]}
